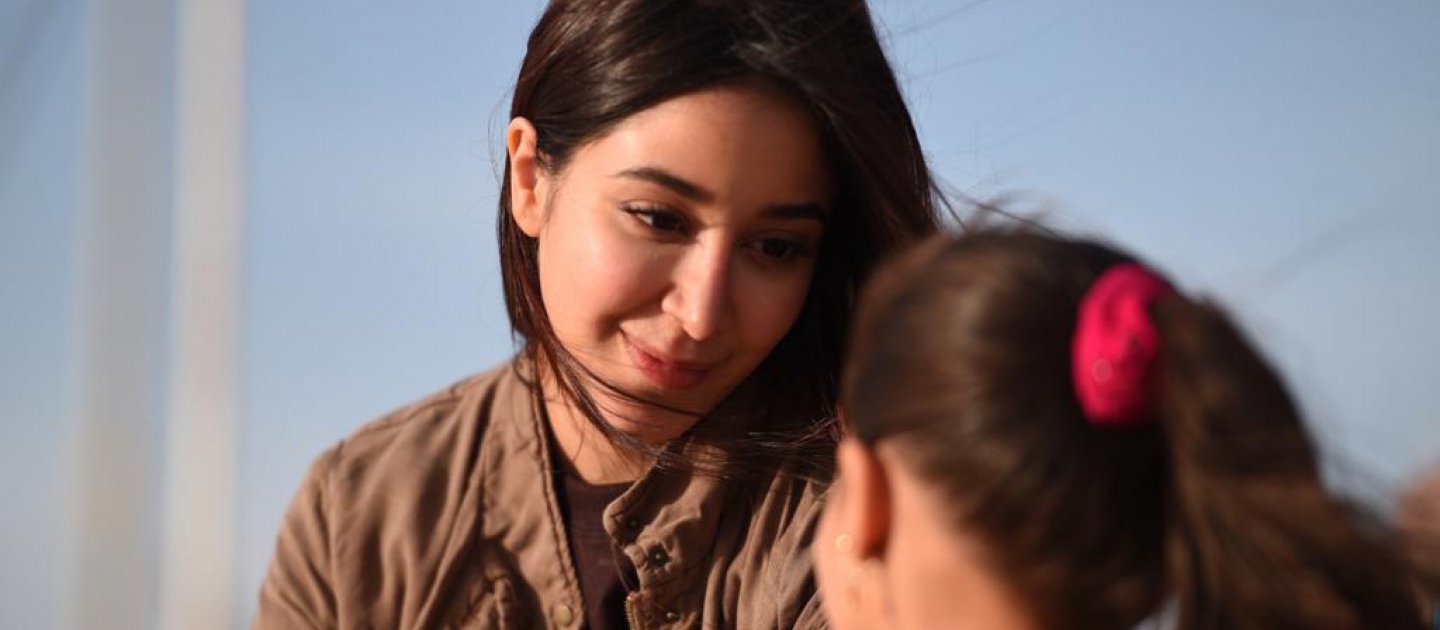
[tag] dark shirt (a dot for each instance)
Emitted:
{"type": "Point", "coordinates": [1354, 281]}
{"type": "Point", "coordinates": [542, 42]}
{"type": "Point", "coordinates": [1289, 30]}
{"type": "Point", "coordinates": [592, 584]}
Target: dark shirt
{"type": "Point", "coordinates": [598, 563]}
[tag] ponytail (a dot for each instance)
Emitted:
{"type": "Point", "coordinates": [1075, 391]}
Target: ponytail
{"type": "Point", "coordinates": [1253, 540]}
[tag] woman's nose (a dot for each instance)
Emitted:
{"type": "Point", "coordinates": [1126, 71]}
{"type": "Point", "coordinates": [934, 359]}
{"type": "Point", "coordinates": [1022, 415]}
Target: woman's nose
{"type": "Point", "coordinates": [700, 296]}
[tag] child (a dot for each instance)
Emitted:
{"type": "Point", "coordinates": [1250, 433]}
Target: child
{"type": "Point", "coordinates": [1044, 433]}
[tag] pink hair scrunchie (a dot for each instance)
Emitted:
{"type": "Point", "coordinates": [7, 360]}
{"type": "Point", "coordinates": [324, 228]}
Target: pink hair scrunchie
{"type": "Point", "coordinates": [1115, 345]}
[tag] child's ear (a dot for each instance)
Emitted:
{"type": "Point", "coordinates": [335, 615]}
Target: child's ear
{"type": "Point", "coordinates": [865, 512]}
{"type": "Point", "coordinates": [528, 179]}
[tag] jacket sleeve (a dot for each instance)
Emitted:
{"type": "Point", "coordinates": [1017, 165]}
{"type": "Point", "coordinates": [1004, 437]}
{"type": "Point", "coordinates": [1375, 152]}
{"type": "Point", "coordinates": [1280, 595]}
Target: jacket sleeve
{"type": "Point", "coordinates": [298, 592]}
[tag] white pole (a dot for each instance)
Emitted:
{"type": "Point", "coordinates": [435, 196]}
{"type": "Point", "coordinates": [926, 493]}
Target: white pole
{"type": "Point", "coordinates": [113, 451]}
{"type": "Point", "coordinates": [202, 414]}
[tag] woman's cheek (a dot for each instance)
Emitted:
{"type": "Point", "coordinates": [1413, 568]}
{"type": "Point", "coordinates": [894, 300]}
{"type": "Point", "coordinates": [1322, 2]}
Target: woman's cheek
{"type": "Point", "coordinates": [769, 307]}
{"type": "Point", "coordinates": [599, 276]}
{"type": "Point", "coordinates": [619, 270]}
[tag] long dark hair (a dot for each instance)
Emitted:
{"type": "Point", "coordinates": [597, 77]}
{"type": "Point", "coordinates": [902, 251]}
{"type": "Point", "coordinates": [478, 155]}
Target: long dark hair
{"type": "Point", "coordinates": [962, 361]}
{"type": "Point", "coordinates": [592, 63]}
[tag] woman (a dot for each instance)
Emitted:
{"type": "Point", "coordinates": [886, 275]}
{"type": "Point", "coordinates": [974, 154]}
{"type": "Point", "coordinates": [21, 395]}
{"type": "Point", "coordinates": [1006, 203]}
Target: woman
{"type": "Point", "coordinates": [1043, 433]}
{"type": "Point", "coordinates": [692, 192]}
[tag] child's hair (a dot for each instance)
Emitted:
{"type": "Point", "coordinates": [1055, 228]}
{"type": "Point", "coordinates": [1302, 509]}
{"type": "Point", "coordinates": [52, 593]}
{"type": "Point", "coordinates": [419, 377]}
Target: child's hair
{"type": "Point", "coordinates": [1212, 504]}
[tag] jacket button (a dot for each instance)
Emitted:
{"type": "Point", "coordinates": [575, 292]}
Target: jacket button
{"type": "Point", "coordinates": [564, 614]}
{"type": "Point", "coordinates": [658, 557]}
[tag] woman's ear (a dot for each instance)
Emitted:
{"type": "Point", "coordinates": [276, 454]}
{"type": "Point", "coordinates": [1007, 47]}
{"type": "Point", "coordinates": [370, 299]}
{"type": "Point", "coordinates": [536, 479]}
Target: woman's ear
{"type": "Point", "coordinates": [527, 177]}
{"type": "Point", "coordinates": [865, 512]}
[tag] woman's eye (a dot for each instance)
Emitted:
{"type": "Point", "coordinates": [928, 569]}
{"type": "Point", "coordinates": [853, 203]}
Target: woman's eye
{"type": "Point", "coordinates": [658, 220]}
{"type": "Point", "coordinates": [780, 249]}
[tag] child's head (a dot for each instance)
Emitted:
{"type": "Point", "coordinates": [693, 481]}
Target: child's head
{"type": "Point", "coordinates": [596, 68]}
{"type": "Point", "coordinates": [977, 490]}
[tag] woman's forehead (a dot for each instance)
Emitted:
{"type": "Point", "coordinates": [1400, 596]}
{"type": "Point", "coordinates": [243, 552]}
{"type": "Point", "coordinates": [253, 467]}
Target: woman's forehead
{"type": "Point", "coordinates": [721, 142]}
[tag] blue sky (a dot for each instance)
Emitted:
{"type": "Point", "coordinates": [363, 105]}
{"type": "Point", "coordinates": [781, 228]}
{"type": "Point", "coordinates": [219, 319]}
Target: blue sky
{"type": "Point", "coordinates": [1279, 155]}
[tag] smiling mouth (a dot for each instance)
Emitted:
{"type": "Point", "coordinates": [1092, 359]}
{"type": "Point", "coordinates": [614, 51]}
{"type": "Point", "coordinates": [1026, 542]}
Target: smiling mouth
{"type": "Point", "coordinates": [665, 372]}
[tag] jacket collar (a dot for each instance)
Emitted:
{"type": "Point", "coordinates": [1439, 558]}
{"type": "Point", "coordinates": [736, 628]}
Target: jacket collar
{"type": "Point", "coordinates": [665, 523]}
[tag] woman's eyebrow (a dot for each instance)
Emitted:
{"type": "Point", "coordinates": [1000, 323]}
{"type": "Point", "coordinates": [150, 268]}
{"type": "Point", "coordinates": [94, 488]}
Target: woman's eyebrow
{"type": "Point", "coordinates": [680, 185]}
{"type": "Point", "coordinates": [694, 192]}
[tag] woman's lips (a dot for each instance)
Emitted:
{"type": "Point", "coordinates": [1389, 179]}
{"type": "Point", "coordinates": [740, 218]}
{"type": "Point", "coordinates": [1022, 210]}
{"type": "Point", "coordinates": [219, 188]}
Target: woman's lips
{"type": "Point", "coordinates": [664, 371]}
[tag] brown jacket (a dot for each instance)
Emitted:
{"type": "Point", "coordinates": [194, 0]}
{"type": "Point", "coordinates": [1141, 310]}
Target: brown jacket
{"type": "Point", "coordinates": [443, 515]}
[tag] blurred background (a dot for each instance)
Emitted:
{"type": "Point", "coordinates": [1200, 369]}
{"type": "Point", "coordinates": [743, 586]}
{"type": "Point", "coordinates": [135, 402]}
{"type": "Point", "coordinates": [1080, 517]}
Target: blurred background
{"type": "Point", "coordinates": [232, 232]}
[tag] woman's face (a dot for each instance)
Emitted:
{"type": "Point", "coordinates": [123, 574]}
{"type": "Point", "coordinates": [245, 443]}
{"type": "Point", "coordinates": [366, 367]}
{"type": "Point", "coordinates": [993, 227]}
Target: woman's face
{"type": "Point", "coordinates": [676, 250]}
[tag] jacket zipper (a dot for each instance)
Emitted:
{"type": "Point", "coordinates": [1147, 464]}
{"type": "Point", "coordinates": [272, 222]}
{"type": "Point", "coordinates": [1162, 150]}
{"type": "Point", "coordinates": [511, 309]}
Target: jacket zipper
{"type": "Point", "coordinates": [630, 610]}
